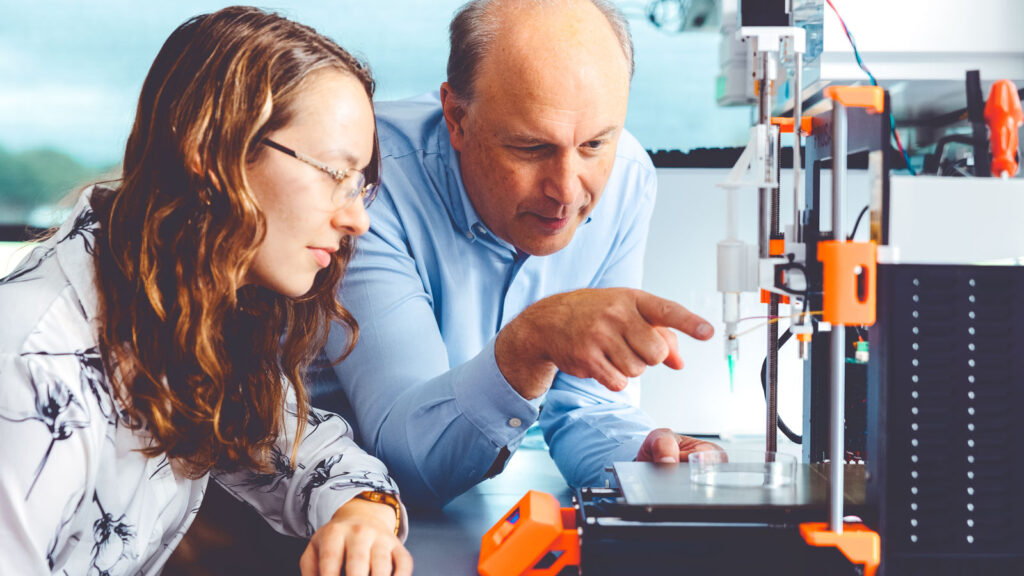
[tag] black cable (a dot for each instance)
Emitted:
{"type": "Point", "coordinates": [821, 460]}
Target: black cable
{"type": "Point", "coordinates": [934, 160]}
{"type": "Point", "coordinates": [856, 224]}
{"type": "Point", "coordinates": [976, 118]}
{"type": "Point", "coordinates": [793, 437]}
{"type": "Point", "coordinates": [791, 265]}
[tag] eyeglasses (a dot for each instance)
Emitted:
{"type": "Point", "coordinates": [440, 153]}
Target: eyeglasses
{"type": "Point", "coordinates": [349, 183]}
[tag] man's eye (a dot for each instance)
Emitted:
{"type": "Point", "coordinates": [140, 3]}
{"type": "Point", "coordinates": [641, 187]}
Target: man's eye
{"type": "Point", "coordinates": [594, 145]}
{"type": "Point", "coordinates": [532, 149]}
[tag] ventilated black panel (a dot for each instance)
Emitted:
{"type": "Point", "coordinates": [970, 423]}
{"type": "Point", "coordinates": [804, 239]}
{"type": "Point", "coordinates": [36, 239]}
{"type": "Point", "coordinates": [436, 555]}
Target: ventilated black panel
{"type": "Point", "coordinates": [949, 435]}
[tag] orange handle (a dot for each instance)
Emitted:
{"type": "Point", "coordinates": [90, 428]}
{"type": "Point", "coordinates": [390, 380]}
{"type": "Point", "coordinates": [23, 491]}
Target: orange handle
{"type": "Point", "coordinates": [1003, 115]}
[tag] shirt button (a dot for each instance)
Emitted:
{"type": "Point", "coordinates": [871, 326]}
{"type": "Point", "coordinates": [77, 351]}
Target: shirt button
{"type": "Point", "coordinates": [469, 235]}
{"type": "Point", "coordinates": [515, 422]}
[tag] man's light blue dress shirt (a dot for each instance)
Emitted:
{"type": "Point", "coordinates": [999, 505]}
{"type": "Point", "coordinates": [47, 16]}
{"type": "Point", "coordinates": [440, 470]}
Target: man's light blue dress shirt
{"type": "Point", "coordinates": [431, 286]}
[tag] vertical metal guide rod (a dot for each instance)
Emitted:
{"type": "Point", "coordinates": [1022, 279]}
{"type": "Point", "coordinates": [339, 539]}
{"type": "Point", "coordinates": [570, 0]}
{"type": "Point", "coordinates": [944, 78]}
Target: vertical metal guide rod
{"type": "Point", "coordinates": [800, 323]}
{"type": "Point", "coordinates": [771, 376]}
{"type": "Point", "coordinates": [767, 224]}
{"type": "Point", "coordinates": [837, 454]}
{"type": "Point", "coordinates": [798, 111]}
{"type": "Point", "coordinates": [764, 113]}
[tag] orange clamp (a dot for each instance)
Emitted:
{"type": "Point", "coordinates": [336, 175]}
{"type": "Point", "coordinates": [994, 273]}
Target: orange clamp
{"type": "Point", "coordinates": [848, 278]}
{"type": "Point", "coordinates": [786, 124]}
{"type": "Point", "coordinates": [535, 538]}
{"type": "Point", "coordinates": [858, 543]}
{"type": "Point", "coordinates": [1003, 115]}
{"type": "Point", "coordinates": [766, 296]}
{"type": "Point", "coordinates": [776, 247]}
{"type": "Point", "coordinates": [870, 97]}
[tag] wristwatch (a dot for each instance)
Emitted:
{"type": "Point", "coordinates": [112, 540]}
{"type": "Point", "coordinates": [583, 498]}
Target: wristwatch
{"type": "Point", "coordinates": [384, 498]}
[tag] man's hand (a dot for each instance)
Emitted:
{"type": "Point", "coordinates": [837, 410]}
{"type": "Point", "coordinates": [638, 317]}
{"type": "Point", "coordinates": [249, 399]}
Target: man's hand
{"type": "Point", "coordinates": [609, 334]}
{"type": "Point", "coordinates": [360, 537]}
{"type": "Point", "coordinates": [664, 445]}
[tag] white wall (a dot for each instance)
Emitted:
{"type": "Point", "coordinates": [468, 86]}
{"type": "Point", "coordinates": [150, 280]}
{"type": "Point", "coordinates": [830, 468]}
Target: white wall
{"type": "Point", "coordinates": [689, 220]}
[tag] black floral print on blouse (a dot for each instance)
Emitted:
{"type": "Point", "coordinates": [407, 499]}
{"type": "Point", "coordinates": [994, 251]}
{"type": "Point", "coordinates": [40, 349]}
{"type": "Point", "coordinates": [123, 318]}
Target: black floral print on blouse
{"type": "Point", "coordinates": [57, 408]}
{"type": "Point", "coordinates": [112, 540]}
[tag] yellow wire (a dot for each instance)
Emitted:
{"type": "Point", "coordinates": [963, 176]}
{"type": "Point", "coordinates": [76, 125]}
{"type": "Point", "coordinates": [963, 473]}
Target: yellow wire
{"type": "Point", "coordinates": [773, 321]}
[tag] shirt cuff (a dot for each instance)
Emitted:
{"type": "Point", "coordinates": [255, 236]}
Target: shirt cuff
{"type": "Point", "coordinates": [487, 400]}
{"type": "Point", "coordinates": [325, 507]}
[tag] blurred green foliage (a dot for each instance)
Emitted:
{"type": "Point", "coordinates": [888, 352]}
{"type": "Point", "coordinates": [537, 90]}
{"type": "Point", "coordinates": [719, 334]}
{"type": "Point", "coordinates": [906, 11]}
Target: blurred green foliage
{"type": "Point", "coordinates": [36, 178]}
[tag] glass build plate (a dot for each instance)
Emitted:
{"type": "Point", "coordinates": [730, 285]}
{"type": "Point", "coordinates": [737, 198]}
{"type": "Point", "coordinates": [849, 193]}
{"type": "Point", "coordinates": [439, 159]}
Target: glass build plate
{"type": "Point", "coordinates": [669, 486]}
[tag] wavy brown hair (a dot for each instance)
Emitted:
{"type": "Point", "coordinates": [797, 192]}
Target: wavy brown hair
{"type": "Point", "coordinates": [198, 358]}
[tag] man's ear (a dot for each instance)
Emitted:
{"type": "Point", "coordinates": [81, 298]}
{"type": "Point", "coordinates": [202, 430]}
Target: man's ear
{"type": "Point", "coordinates": [454, 116]}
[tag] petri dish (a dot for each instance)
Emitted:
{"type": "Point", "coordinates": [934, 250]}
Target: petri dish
{"type": "Point", "coordinates": [742, 468]}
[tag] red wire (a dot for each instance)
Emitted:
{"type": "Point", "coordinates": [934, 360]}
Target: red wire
{"type": "Point", "coordinates": [898, 143]}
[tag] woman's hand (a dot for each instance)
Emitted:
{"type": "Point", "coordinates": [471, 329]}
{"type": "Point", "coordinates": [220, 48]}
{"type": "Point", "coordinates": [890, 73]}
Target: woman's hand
{"type": "Point", "coordinates": [360, 537]}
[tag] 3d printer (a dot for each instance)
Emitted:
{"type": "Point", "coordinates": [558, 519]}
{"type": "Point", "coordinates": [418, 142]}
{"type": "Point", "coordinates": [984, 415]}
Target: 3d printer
{"type": "Point", "coordinates": [924, 428]}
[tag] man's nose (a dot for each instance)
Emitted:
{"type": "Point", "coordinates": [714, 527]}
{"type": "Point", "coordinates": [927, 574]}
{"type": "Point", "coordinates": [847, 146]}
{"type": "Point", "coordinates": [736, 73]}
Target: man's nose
{"type": "Point", "coordinates": [564, 179]}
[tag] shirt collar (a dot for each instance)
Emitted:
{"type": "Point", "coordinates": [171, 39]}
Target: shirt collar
{"type": "Point", "coordinates": [464, 215]}
{"type": "Point", "coordinates": [76, 249]}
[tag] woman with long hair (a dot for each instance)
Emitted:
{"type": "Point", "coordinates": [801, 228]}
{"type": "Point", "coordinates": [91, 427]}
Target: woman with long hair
{"type": "Point", "coordinates": [158, 338]}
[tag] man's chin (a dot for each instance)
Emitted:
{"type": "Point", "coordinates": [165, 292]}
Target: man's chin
{"type": "Point", "coordinates": [545, 245]}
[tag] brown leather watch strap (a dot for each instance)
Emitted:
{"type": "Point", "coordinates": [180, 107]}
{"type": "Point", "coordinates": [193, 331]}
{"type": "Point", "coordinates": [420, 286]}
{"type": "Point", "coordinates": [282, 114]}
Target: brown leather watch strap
{"type": "Point", "coordinates": [384, 498]}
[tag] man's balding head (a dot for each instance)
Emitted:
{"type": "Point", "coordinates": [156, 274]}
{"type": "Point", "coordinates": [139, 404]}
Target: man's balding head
{"type": "Point", "coordinates": [478, 24]}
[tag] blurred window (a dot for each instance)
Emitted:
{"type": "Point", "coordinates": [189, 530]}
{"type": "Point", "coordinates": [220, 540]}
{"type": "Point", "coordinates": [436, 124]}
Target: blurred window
{"type": "Point", "coordinates": [70, 73]}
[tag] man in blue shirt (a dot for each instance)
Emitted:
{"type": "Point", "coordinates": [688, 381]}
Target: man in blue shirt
{"type": "Point", "coordinates": [492, 279]}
